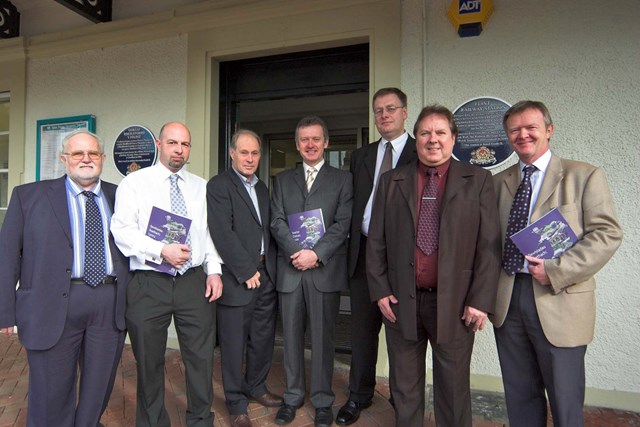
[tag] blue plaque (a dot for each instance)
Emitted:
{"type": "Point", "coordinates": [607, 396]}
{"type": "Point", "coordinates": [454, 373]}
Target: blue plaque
{"type": "Point", "coordinates": [481, 138]}
{"type": "Point", "coordinates": [134, 149]}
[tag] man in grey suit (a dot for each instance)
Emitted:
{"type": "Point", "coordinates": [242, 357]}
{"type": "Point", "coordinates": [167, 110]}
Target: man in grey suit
{"type": "Point", "coordinates": [310, 279]}
{"type": "Point", "coordinates": [70, 305]}
{"type": "Point", "coordinates": [395, 148]}
{"type": "Point", "coordinates": [545, 309]}
{"type": "Point", "coordinates": [238, 217]}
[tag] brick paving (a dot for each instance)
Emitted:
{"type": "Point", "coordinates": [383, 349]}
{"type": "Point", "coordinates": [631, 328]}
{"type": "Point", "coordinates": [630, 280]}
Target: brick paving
{"type": "Point", "coordinates": [488, 407]}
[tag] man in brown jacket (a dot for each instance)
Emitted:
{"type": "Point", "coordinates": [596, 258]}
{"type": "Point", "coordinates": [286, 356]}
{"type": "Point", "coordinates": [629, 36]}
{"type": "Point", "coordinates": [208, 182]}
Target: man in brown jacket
{"type": "Point", "coordinates": [432, 264]}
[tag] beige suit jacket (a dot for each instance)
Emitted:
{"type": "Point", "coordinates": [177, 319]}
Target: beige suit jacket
{"type": "Point", "coordinates": [579, 190]}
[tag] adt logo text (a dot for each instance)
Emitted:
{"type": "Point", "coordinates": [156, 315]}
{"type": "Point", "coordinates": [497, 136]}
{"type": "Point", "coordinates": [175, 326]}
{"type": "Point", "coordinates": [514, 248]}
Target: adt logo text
{"type": "Point", "coordinates": [469, 6]}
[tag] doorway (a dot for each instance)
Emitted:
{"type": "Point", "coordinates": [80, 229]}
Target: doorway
{"type": "Point", "coordinates": [269, 94]}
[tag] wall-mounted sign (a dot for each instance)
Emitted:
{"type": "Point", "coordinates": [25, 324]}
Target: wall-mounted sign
{"type": "Point", "coordinates": [135, 148]}
{"type": "Point", "coordinates": [49, 136]}
{"type": "Point", "coordinates": [481, 139]}
{"type": "Point", "coordinates": [469, 17]}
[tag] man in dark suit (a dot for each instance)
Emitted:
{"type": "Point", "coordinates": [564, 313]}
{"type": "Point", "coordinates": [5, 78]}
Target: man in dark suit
{"type": "Point", "coordinates": [310, 277]}
{"type": "Point", "coordinates": [238, 216]}
{"type": "Point", "coordinates": [545, 309]}
{"type": "Point", "coordinates": [395, 148]}
{"type": "Point", "coordinates": [69, 306]}
{"type": "Point", "coordinates": [432, 265]}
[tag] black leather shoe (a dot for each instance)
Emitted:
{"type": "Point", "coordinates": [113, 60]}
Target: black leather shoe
{"type": "Point", "coordinates": [285, 414]}
{"type": "Point", "coordinates": [350, 412]}
{"type": "Point", "coordinates": [324, 417]}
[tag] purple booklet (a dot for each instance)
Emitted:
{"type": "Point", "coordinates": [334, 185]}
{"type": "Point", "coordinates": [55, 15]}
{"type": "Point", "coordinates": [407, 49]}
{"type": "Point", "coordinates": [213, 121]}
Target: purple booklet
{"type": "Point", "coordinates": [546, 238]}
{"type": "Point", "coordinates": [167, 227]}
{"type": "Point", "coordinates": [306, 227]}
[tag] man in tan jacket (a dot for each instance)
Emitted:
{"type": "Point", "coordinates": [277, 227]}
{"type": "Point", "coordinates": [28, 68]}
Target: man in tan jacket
{"type": "Point", "coordinates": [545, 309]}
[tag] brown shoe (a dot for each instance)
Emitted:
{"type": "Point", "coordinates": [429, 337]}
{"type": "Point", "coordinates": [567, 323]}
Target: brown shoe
{"type": "Point", "coordinates": [241, 420]}
{"type": "Point", "coordinates": [269, 400]}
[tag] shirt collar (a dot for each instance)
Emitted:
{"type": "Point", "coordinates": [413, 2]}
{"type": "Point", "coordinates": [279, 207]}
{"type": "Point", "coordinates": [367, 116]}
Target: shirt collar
{"type": "Point", "coordinates": [165, 173]}
{"type": "Point", "coordinates": [396, 143]}
{"type": "Point", "coordinates": [252, 182]}
{"type": "Point", "coordinates": [317, 167]}
{"type": "Point", "coordinates": [76, 189]}
{"type": "Point", "coordinates": [442, 169]}
{"type": "Point", "coordinates": [541, 164]}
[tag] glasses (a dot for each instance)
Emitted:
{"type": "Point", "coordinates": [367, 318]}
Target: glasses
{"type": "Point", "coordinates": [390, 109]}
{"type": "Point", "coordinates": [79, 155]}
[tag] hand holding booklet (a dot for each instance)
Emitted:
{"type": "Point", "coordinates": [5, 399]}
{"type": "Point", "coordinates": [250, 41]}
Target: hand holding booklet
{"type": "Point", "coordinates": [546, 238]}
{"type": "Point", "coordinates": [306, 227]}
{"type": "Point", "coordinates": [167, 227]}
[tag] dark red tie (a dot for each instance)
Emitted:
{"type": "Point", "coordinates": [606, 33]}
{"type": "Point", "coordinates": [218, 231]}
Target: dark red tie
{"type": "Point", "coordinates": [429, 220]}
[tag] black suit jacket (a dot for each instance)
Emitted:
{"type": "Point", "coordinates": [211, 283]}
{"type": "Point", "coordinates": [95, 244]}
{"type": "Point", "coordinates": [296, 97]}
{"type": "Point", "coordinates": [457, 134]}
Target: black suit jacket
{"type": "Point", "coordinates": [363, 169]}
{"type": "Point", "coordinates": [332, 191]}
{"type": "Point", "coordinates": [36, 249]}
{"type": "Point", "coordinates": [237, 233]}
{"type": "Point", "coordinates": [468, 252]}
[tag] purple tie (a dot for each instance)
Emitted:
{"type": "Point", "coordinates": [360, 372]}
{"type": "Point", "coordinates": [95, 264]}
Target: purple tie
{"type": "Point", "coordinates": [512, 258]}
{"type": "Point", "coordinates": [429, 221]}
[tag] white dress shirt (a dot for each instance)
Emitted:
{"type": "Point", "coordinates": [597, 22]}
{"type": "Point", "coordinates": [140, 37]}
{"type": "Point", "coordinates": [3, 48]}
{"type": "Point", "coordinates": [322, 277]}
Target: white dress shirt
{"type": "Point", "coordinates": [398, 145]}
{"type": "Point", "coordinates": [137, 194]}
{"type": "Point", "coordinates": [536, 183]}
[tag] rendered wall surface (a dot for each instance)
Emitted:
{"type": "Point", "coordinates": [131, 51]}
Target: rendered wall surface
{"type": "Point", "coordinates": [582, 60]}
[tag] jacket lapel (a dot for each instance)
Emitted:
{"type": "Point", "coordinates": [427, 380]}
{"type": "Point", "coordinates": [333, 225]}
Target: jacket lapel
{"type": "Point", "coordinates": [244, 194]}
{"type": "Point", "coordinates": [407, 180]}
{"type": "Point", "coordinates": [298, 178]}
{"type": "Point", "coordinates": [370, 159]}
{"type": "Point", "coordinates": [408, 153]}
{"type": "Point", "coordinates": [57, 196]}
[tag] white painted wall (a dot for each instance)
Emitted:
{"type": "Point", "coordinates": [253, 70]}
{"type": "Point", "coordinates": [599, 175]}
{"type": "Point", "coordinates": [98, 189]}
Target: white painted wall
{"type": "Point", "coordinates": [583, 60]}
{"type": "Point", "coordinates": [142, 83]}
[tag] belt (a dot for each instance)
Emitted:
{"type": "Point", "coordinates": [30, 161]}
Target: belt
{"type": "Point", "coordinates": [108, 280]}
{"type": "Point", "coordinates": [428, 290]}
{"type": "Point", "coordinates": [261, 259]}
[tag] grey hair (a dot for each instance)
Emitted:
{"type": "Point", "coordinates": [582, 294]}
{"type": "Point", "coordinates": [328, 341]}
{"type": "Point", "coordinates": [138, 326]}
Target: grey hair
{"type": "Point", "coordinates": [63, 143]}
{"type": "Point", "coordinates": [239, 133]}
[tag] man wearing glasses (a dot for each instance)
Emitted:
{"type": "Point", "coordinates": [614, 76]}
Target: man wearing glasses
{"type": "Point", "coordinates": [395, 148]}
{"type": "Point", "coordinates": [69, 307]}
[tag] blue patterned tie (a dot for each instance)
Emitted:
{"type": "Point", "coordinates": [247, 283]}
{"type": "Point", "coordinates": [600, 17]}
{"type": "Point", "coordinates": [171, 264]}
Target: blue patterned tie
{"type": "Point", "coordinates": [512, 258]}
{"type": "Point", "coordinates": [94, 259]}
{"type": "Point", "coordinates": [429, 220]}
{"type": "Point", "coordinates": [179, 207]}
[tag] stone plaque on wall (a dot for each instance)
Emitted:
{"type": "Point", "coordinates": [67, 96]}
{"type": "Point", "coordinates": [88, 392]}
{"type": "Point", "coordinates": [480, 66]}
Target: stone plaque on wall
{"type": "Point", "coordinates": [481, 139]}
{"type": "Point", "coordinates": [134, 149]}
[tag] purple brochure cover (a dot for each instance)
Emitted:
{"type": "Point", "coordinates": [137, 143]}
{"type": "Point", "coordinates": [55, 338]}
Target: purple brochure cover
{"type": "Point", "coordinates": [546, 238]}
{"type": "Point", "coordinates": [167, 227]}
{"type": "Point", "coordinates": [306, 227]}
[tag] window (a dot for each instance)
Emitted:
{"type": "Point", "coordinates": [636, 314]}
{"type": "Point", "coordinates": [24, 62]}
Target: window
{"type": "Point", "coordinates": [4, 154]}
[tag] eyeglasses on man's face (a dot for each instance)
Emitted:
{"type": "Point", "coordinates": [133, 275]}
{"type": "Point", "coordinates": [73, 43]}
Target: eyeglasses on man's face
{"type": "Point", "coordinates": [79, 155]}
{"type": "Point", "coordinates": [389, 109]}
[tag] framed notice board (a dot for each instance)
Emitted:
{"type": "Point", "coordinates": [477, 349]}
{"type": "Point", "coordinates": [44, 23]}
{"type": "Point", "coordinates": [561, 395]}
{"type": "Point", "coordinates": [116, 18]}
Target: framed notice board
{"type": "Point", "coordinates": [49, 135]}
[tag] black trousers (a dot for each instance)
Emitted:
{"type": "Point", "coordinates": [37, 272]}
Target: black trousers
{"type": "Point", "coordinates": [153, 300]}
{"type": "Point", "coordinates": [366, 321]}
{"type": "Point", "coordinates": [246, 334]}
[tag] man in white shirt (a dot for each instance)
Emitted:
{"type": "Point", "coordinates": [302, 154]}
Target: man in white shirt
{"type": "Point", "coordinates": [154, 297]}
